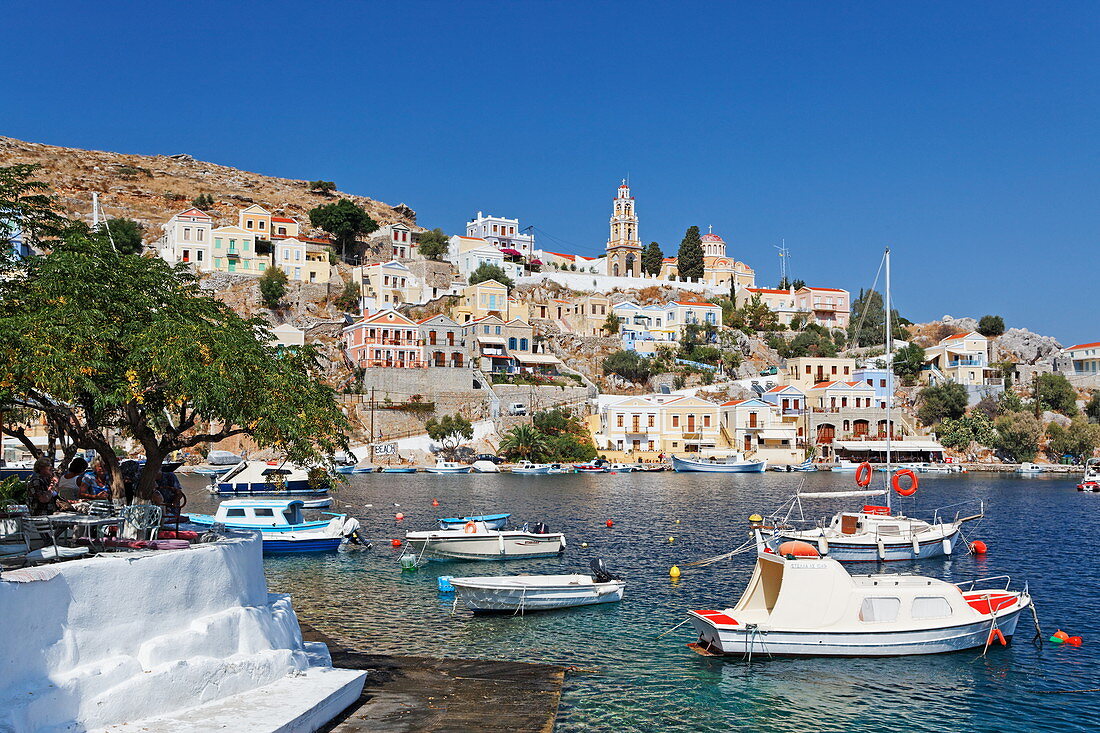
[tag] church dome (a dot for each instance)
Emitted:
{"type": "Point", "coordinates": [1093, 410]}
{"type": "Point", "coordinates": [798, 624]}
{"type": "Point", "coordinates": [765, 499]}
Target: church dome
{"type": "Point", "coordinates": [712, 237]}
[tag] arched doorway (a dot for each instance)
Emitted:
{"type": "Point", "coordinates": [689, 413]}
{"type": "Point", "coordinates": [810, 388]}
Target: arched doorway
{"type": "Point", "coordinates": [826, 434]}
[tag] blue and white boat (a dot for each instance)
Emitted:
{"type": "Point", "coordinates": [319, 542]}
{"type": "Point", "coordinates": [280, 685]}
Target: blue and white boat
{"type": "Point", "coordinates": [281, 524]}
{"type": "Point", "coordinates": [258, 478]}
{"type": "Point", "coordinates": [491, 521]}
{"type": "Point", "coordinates": [399, 469]}
{"type": "Point", "coordinates": [735, 463]}
{"type": "Point", "coordinates": [448, 467]}
{"type": "Point", "coordinates": [531, 469]}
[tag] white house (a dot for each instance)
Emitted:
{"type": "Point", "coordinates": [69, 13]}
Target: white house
{"type": "Point", "coordinates": [187, 238]}
{"type": "Point", "coordinates": [1084, 359]}
{"type": "Point", "coordinates": [502, 233]}
{"type": "Point", "coordinates": [385, 285]}
{"type": "Point", "coordinates": [469, 253]}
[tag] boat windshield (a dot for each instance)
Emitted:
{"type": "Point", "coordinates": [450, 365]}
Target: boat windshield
{"type": "Point", "coordinates": [293, 514]}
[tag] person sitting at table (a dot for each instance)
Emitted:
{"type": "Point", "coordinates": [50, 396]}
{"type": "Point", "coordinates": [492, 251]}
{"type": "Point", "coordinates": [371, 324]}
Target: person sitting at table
{"type": "Point", "coordinates": [69, 481]}
{"type": "Point", "coordinates": [94, 484]}
{"type": "Point", "coordinates": [168, 491]}
{"type": "Point", "coordinates": [42, 497]}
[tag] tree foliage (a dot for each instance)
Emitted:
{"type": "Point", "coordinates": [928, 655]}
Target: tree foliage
{"type": "Point", "coordinates": [990, 326]}
{"type": "Point", "coordinates": [325, 188]}
{"type": "Point", "coordinates": [344, 220]}
{"type": "Point", "coordinates": [611, 324]}
{"type": "Point", "coordinates": [815, 340]}
{"type": "Point", "coordinates": [523, 442]}
{"type": "Point", "coordinates": [273, 287]}
{"type": "Point", "coordinates": [1018, 435]}
{"type": "Point", "coordinates": [908, 361]}
{"type": "Point", "coordinates": [203, 201]}
{"type": "Point", "coordinates": [144, 352]}
{"type": "Point", "coordinates": [432, 244]}
{"type": "Point", "coordinates": [553, 435]}
{"type": "Point", "coordinates": [1054, 392]}
{"type": "Point", "coordinates": [1092, 409]}
{"type": "Point", "coordinates": [27, 206]}
{"type": "Point", "coordinates": [486, 271]}
{"type": "Point", "coordinates": [959, 433]}
{"type": "Point", "coordinates": [868, 322]}
{"type": "Point", "coordinates": [348, 299]}
{"type": "Point", "coordinates": [689, 259]}
{"type": "Point", "coordinates": [629, 365]}
{"type": "Point", "coordinates": [449, 431]}
{"type": "Point", "coordinates": [1078, 439]}
{"type": "Point", "coordinates": [754, 315]}
{"type": "Point", "coordinates": [942, 401]}
{"type": "Point", "coordinates": [126, 234]}
{"type": "Point", "coordinates": [652, 259]}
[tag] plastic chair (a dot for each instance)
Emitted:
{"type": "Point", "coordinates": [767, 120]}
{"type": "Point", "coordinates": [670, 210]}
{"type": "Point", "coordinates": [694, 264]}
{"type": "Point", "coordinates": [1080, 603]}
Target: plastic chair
{"type": "Point", "coordinates": [140, 521]}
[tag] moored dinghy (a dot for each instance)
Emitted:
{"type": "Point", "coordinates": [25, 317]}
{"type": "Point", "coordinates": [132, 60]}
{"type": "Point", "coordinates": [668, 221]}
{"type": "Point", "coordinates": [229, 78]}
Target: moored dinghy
{"type": "Point", "coordinates": [475, 541]}
{"type": "Point", "coordinates": [735, 463]}
{"type": "Point", "coordinates": [539, 592]}
{"type": "Point", "coordinates": [800, 604]}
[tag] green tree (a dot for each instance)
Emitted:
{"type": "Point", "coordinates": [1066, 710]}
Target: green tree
{"type": "Point", "coordinates": [813, 341]}
{"type": "Point", "coordinates": [433, 244]}
{"type": "Point", "coordinates": [449, 431]}
{"type": "Point", "coordinates": [990, 326]}
{"type": "Point", "coordinates": [1092, 409]}
{"type": "Point", "coordinates": [754, 315]}
{"type": "Point", "coordinates": [203, 201]}
{"type": "Point", "coordinates": [627, 364]}
{"type": "Point", "coordinates": [652, 258]}
{"type": "Point", "coordinates": [273, 287]}
{"type": "Point", "coordinates": [486, 271]}
{"type": "Point", "coordinates": [348, 299]}
{"type": "Point", "coordinates": [27, 206]}
{"type": "Point", "coordinates": [126, 234]}
{"type": "Point", "coordinates": [798, 285]}
{"type": "Point", "coordinates": [1018, 435]}
{"type": "Point", "coordinates": [324, 188]}
{"type": "Point", "coordinates": [960, 433]}
{"type": "Point", "coordinates": [1009, 401]}
{"type": "Point", "coordinates": [908, 362]}
{"type": "Point", "coordinates": [146, 353]}
{"type": "Point", "coordinates": [1054, 392]}
{"type": "Point", "coordinates": [345, 221]}
{"type": "Point", "coordinates": [524, 442]}
{"type": "Point", "coordinates": [689, 260]}
{"type": "Point", "coordinates": [941, 401]}
{"type": "Point", "coordinates": [1079, 439]}
{"type": "Point", "coordinates": [868, 323]}
{"type": "Point", "coordinates": [611, 324]}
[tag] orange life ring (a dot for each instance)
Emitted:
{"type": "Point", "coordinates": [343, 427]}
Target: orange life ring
{"type": "Point", "coordinates": [471, 528]}
{"type": "Point", "coordinates": [863, 474]}
{"type": "Point", "coordinates": [913, 483]}
{"type": "Point", "coordinates": [996, 634]}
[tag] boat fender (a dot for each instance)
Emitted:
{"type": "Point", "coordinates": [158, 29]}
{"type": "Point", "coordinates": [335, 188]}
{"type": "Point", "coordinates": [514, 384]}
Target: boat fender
{"type": "Point", "coordinates": [978, 547]}
{"type": "Point", "coordinates": [395, 543]}
{"type": "Point", "coordinates": [823, 546]}
{"type": "Point", "coordinates": [471, 528]}
{"type": "Point", "coordinates": [916, 547]}
{"type": "Point", "coordinates": [947, 546]}
{"type": "Point", "coordinates": [1074, 641]}
{"type": "Point", "coordinates": [881, 550]}
{"type": "Point", "coordinates": [913, 482]}
{"type": "Point", "coordinates": [610, 523]}
{"type": "Point", "coordinates": [863, 474]}
{"type": "Point", "coordinates": [996, 634]}
{"type": "Point", "coordinates": [445, 584]}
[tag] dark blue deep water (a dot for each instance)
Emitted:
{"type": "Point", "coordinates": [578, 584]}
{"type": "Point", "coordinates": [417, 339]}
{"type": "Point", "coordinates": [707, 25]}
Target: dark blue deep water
{"type": "Point", "coordinates": [1038, 530]}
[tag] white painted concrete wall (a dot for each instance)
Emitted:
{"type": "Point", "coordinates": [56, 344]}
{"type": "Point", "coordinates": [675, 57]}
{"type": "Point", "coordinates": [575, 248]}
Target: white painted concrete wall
{"type": "Point", "coordinates": [122, 637]}
{"type": "Point", "coordinates": [582, 281]}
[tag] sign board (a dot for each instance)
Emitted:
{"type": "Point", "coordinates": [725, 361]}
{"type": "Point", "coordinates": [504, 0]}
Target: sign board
{"type": "Point", "coordinates": [384, 449]}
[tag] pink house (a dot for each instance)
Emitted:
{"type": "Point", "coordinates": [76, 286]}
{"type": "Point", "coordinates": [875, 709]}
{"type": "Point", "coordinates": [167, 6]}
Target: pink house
{"type": "Point", "coordinates": [829, 307]}
{"type": "Point", "coordinates": [384, 339]}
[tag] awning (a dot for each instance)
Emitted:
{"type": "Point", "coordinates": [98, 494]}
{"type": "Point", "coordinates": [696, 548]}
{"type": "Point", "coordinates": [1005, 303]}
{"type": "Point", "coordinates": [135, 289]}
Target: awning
{"type": "Point", "coordinates": [496, 340]}
{"type": "Point", "coordinates": [895, 445]}
{"type": "Point", "coordinates": [779, 434]}
{"type": "Point", "coordinates": [536, 358]}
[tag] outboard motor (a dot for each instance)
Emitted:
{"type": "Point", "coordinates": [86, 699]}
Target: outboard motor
{"type": "Point", "coordinates": [540, 528]}
{"type": "Point", "coordinates": [599, 571]}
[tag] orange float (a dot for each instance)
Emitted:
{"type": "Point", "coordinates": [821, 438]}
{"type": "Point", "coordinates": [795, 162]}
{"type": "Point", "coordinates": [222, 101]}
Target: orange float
{"type": "Point", "coordinates": [471, 528]}
{"type": "Point", "coordinates": [913, 483]}
{"type": "Point", "coordinates": [797, 548]}
{"type": "Point", "coordinates": [863, 474]}
{"type": "Point", "coordinates": [996, 634]}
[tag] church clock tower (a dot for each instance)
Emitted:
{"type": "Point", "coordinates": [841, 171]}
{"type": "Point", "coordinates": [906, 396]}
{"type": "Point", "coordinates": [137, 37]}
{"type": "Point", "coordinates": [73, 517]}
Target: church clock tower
{"type": "Point", "coordinates": [624, 250]}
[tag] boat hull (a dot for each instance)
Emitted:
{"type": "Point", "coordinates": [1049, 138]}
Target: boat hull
{"type": "Point", "coordinates": [404, 469]}
{"type": "Point", "coordinates": [778, 642]}
{"type": "Point", "coordinates": [484, 596]}
{"type": "Point", "coordinates": [843, 550]}
{"type": "Point", "coordinates": [684, 465]}
{"type": "Point", "coordinates": [484, 546]}
{"type": "Point", "coordinates": [282, 545]}
{"type": "Point", "coordinates": [531, 470]}
{"type": "Point", "coordinates": [433, 469]}
{"type": "Point", "coordinates": [293, 488]}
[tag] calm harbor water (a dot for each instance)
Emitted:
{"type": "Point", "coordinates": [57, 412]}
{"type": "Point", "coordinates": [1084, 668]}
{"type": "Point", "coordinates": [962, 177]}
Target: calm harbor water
{"type": "Point", "coordinates": [1038, 529]}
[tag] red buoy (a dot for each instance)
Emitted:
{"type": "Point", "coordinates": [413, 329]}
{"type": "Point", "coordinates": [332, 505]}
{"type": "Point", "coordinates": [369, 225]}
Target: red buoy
{"type": "Point", "coordinates": [395, 543]}
{"type": "Point", "coordinates": [610, 523]}
{"type": "Point", "coordinates": [435, 502]}
{"type": "Point", "coordinates": [797, 548]}
{"type": "Point", "coordinates": [978, 547]}
{"type": "Point", "coordinates": [1074, 641]}
{"type": "Point", "coordinates": [399, 516]}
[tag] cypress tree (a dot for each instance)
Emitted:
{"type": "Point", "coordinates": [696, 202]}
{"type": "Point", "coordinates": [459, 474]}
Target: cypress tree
{"type": "Point", "coordinates": [689, 260]}
{"type": "Point", "coordinates": [652, 257]}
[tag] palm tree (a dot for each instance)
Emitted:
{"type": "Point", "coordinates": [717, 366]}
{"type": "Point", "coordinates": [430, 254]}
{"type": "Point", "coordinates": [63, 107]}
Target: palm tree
{"type": "Point", "coordinates": [524, 441]}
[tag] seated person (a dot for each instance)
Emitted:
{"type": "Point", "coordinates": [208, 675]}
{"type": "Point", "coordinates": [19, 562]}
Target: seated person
{"type": "Point", "coordinates": [169, 491]}
{"type": "Point", "coordinates": [68, 482]}
{"type": "Point", "coordinates": [42, 497]}
{"type": "Point", "coordinates": [94, 484]}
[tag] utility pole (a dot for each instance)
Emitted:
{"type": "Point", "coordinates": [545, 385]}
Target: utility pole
{"type": "Point", "coordinates": [784, 253]}
{"type": "Point", "coordinates": [371, 436]}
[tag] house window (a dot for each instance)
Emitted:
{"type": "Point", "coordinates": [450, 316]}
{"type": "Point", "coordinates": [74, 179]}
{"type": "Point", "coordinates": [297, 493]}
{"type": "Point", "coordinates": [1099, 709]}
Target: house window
{"type": "Point", "coordinates": [198, 234]}
{"type": "Point", "coordinates": [523, 344]}
{"type": "Point", "coordinates": [882, 382]}
{"type": "Point", "coordinates": [198, 255]}
{"type": "Point", "coordinates": [263, 224]}
{"type": "Point", "coordinates": [675, 421]}
{"type": "Point", "coordinates": [217, 243]}
{"type": "Point", "coordinates": [297, 273]}
{"type": "Point", "coordinates": [249, 224]}
{"type": "Point", "coordinates": [218, 262]}
{"type": "Point", "coordinates": [847, 370]}
{"type": "Point", "coordinates": [187, 234]}
{"type": "Point", "coordinates": [706, 421]}
{"type": "Point", "coordinates": [186, 255]}
{"type": "Point", "coordinates": [497, 330]}
{"type": "Point", "coordinates": [649, 421]}
{"type": "Point", "coordinates": [512, 343]}
{"type": "Point", "coordinates": [834, 369]}
{"type": "Point", "coordinates": [282, 231]}
{"type": "Point", "coordinates": [619, 420]}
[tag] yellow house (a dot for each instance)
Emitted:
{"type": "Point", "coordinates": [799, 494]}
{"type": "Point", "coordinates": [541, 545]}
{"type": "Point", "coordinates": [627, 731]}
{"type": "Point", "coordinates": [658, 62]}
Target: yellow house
{"type": "Point", "coordinates": [234, 250]}
{"type": "Point", "coordinates": [256, 220]}
{"type": "Point", "coordinates": [760, 430]}
{"type": "Point", "coordinates": [317, 268]}
{"type": "Point", "coordinates": [806, 371]}
{"type": "Point", "coordinates": [662, 423]}
{"type": "Point", "coordinates": [483, 299]}
{"type": "Point", "coordinates": [284, 226]}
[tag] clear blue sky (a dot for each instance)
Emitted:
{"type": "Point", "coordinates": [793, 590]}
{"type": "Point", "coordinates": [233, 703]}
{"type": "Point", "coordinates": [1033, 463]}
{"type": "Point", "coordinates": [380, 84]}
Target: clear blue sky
{"type": "Point", "coordinates": [965, 135]}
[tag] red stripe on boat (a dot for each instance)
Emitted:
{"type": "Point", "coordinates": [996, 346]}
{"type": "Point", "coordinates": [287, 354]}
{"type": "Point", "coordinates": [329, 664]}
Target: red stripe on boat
{"type": "Point", "coordinates": [981, 602]}
{"type": "Point", "coordinates": [717, 617]}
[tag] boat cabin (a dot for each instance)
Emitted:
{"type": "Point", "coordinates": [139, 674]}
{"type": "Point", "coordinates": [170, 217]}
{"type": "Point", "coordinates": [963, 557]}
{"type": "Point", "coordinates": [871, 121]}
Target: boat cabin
{"type": "Point", "coordinates": [877, 520]}
{"type": "Point", "coordinates": [258, 514]}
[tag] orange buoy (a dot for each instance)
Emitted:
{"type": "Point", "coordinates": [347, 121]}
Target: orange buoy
{"type": "Point", "coordinates": [399, 516]}
{"type": "Point", "coordinates": [863, 474]}
{"type": "Point", "coordinates": [978, 547]}
{"type": "Point", "coordinates": [996, 634]}
{"type": "Point", "coordinates": [913, 483]}
{"type": "Point", "coordinates": [435, 502]}
{"type": "Point", "coordinates": [797, 548]}
{"type": "Point", "coordinates": [470, 528]}
{"type": "Point", "coordinates": [1059, 634]}
{"type": "Point", "coordinates": [1074, 641]}
{"type": "Point", "coordinates": [395, 543]}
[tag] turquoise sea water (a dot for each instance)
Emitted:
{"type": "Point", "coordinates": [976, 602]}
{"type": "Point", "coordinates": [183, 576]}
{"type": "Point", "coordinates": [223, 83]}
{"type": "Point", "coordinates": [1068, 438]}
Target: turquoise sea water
{"type": "Point", "coordinates": [1038, 529]}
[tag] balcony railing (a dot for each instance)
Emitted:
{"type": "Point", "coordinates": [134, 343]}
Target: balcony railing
{"type": "Point", "coordinates": [394, 363]}
{"type": "Point", "coordinates": [965, 362]}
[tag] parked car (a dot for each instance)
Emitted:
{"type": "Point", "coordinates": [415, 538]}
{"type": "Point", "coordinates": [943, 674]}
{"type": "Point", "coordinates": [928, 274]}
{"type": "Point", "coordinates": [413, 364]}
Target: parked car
{"type": "Point", "coordinates": [769, 371]}
{"type": "Point", "coordinates": [489, 457]}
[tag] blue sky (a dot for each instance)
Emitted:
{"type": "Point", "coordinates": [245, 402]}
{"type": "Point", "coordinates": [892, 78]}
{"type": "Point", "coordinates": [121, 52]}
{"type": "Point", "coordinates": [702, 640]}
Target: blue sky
{"type": "Point", "coordinates": [962, 135]}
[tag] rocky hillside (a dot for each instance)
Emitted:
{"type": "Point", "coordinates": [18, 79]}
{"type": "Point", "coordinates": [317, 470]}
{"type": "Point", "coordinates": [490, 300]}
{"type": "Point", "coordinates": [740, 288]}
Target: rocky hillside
{"type": "Point", "coordinates": [151, 188]}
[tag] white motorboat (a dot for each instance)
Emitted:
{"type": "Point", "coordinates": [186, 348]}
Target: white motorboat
{"type": "Point", "coordinates": [800, 604]}
{"type": "Point", "coordinates": [560, 468]}
{"type": "Point", "coordinates": [522, 593]}
{"type": "Point", "coordinates": [531, 469]}
{"type": "Point", "coordinates": [448, 467]}
{"type": "Point", "coordinates": [281, 524]}
{"type": "Point", "coordinates": [1091, 480]}
{"type": "Point", "coordinates": [844, 466]}
{"type": "Point", "coordinates": [485, 467]}
{"type": "Point", "coordinates": [1029, 468]}
{"type": "Point", "coordinates": [735, 463]}
{"type": "Point", "coordinates": [623, 468]}
{"type": "Point", "coordinates": [477, 542]}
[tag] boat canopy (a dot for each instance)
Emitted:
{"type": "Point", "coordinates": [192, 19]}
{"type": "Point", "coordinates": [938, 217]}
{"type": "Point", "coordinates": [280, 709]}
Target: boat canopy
{"type": "Point", "coordinates": [840, 494]}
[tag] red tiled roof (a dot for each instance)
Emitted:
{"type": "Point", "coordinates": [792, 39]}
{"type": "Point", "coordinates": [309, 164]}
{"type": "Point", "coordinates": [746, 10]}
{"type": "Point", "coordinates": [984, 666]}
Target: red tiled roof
{"type": "Point", "coordinates": [769, 290]}
{"type": "Point", "coordinates": [831, 290]}
{"type": "Point", "coordinates": [711, 238]}
{"type": "Point", "coordinates": [732, 402]}
{"type": "Point", "coordinates": [699, 303]}
{"type": "Point", "coordinates": [194, 212]}
{"type": "Point", "coordinates": [958, 336]}
{"type": "Point", "coordinates": [1083, 346]}
{"type": "Point", "coordinates": [283, 219]}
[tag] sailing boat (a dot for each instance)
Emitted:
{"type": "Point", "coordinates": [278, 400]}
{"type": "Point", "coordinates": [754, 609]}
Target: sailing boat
{"type": "Point", "coordinates": [875, 532]}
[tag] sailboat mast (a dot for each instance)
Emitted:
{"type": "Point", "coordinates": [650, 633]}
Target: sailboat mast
{"type": "Point", "coordinates": [889, 374]}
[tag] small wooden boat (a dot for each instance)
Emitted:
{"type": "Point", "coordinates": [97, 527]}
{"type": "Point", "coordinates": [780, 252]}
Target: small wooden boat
{"type": "Point", "coordinates": [448, 467]}
{"type": "Point", "coordinates": [735, 463]}
{"type": "Point", "coordinates": [798, 603]}
{"type": "Point", "coordinates": [478, 542]}
{"type": "Point", "coordinates": [399, 469]}
{"type": "Point", "coordinates": [522, 593]}
{"type": "Point", "coordinates": [591, 468]}
{"type": "Point", "coordinates": [531, 469]}
{"type": "Point", "coordinates": [491, 521]}
{"type": "Point", "coordinates": [281, 525]}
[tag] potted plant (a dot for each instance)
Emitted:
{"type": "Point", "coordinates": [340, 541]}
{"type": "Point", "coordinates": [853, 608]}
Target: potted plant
{"type": "Point", "coordinates": [13, 493]}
